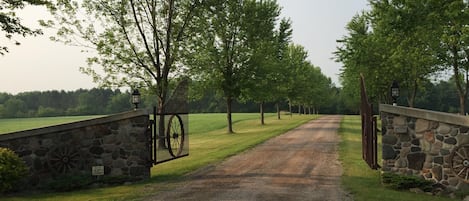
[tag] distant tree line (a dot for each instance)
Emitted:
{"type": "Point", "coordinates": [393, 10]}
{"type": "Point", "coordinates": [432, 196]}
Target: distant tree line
{"type": "Point", "coordinates": [438, 96]}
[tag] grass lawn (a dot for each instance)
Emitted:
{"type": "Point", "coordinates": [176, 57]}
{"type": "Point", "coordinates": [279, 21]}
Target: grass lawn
{"type": "Point", "coordinates": [12, 125]}
{"type": "Point", "coordinates": [209, 144]}
{"type": "Point", "coordinates": [363, 182]}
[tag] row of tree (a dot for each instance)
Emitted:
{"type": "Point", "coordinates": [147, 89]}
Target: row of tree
{"type": "Point", "coordinates": [412, 42]}
{"type": "Point", "coordinates": [240, 50]}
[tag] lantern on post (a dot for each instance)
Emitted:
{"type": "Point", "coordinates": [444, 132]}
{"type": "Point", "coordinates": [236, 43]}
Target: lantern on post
{"type": "Point", "coordinates": [394, 92]}
{"type": "Point", "coordinates": [136, 98]}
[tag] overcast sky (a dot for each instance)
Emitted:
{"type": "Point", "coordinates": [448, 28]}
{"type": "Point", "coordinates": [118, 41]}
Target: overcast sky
{"type": "Point", "coordinates": [39, 64]}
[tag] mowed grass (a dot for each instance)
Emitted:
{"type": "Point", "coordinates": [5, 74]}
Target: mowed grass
{"type": "Point", "coordinates": [361, 181]}
{"type": "Point", "coordinates": [209, 144]}
{"type": "Point", "coordinates": [19, 124]}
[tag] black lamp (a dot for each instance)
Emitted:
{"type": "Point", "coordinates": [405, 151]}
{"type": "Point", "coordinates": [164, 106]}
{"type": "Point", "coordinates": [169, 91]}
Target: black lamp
{"type": "Point", "coordinates": [136, 98]}
{"type": "Point", "coordinates": [394, 92]}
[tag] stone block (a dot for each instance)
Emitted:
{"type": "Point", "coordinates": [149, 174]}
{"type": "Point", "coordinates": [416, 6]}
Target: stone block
{"type": "Point", "coordinates": [443, 129]}
{"type": "Point", "coordinates": [422, 125]}
{"type": "Point", "coordinates": [429, 136]}
{"type": "Point", "coordinates": [400, 121]}
{"type": "Point", "coordinates": [389, 139]}
{"type": "Point", "coordinates": [425, 145]}
{"type": "Point", "coordinates": [437, 172]}
{"type": "Point", "coordinates": [416, 160]}
{"type": "Point", "coordinates": [400, 129]}
{"type": "Point", "coordinates": [436, 148]}
{"type": "Point", "coordinates": [401, 163]}
{"type": "Point", "coordinates": [462, 139]}
{"type": "Point", "coordinates": [451, 141]}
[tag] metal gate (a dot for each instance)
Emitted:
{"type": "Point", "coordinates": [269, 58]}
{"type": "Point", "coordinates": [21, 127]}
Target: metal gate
{"type": "Point", "coordinates": [169, 137]}
{"type": "Point", "coordinates": [369, 129]}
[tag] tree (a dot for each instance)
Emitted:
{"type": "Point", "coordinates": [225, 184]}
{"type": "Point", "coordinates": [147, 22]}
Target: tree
{"type": "Point", "coordinates": [283, 39]}
{"type": "Point", "coordinates": [137, 43]}
{"type": "Point", "coordinates": [221, 57]}
{"type": "Point", "coordinates": [453, 23]}
{"type": "Point", "coordinates": [263, 63]}
{"type": "Point", "coordinates": [11, 24]}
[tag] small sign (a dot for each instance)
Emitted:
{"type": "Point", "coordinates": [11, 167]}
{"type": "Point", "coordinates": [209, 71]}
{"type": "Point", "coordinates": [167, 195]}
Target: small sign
{"type": "Point", "coordinates": [97, 170]}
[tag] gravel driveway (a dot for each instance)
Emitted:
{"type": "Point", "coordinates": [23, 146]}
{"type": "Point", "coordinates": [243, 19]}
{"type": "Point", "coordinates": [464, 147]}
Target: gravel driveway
{"type": "Point", "coordinates": [301, 164]}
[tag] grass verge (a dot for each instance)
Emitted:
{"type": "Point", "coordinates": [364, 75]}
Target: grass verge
{"type": "Point", "coordinates": [361, 181]}
{"type": "Point", "coordinates": [207, 146]}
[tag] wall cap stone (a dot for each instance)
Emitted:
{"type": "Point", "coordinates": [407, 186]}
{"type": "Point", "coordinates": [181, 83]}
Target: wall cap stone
{"type": "Point", "coordinates": [74, 125]}
{"type": "Point", "coordinates": [426, 114]}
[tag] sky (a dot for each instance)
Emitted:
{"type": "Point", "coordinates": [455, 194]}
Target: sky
{"type": "Point", "coordinates": [39, 64]}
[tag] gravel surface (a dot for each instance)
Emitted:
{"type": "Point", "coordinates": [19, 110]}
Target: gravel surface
{"type": "Point", "coordinates": [301, 164]}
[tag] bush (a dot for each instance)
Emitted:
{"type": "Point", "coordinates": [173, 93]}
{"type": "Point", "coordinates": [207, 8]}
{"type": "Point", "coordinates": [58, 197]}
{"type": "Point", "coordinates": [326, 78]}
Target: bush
{"type": "Point", "coordinates": [69, 182]}
{"type": "Point", "coordinates": [12, 169]}
{"type": "Point", "coordinates": [403, 182]}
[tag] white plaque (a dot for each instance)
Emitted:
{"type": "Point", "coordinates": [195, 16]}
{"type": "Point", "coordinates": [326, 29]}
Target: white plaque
{"type": "Point", "coordinates": [97, 170]}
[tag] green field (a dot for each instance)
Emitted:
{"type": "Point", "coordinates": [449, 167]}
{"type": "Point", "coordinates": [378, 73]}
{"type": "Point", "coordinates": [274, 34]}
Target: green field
{"type": "Point", "coordinates": [209, 144]}
{"type": "Point", "coordinates": [363, 182]}
{"type": "Point", "coordinates": [12, 125]}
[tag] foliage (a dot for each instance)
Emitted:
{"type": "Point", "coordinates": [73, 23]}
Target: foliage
{"type": "Point", "coordinates": [59, 103]}
{"type": "Point", "coordinates": [405, 182]}
{"type": "Point", "coordinates": [12, 169]}
{"type": "Point", "coordinates": [65, 183]}
{"type": "Point", "coordinates": [420, 38]}
{"type": "Point", "coordinates": [10, 23]}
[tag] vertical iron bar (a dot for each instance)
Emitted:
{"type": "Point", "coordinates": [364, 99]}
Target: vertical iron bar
{"type": "Point", "coordinates": [155, 137]}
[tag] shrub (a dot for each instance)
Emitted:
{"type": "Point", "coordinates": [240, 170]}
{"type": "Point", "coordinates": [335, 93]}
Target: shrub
{"type": "Point", "coordinates": [403, 182]}
{"type": "Point", "coordinates": [12, 169]}
{"type": "Point", "coordinates": [69, 182]}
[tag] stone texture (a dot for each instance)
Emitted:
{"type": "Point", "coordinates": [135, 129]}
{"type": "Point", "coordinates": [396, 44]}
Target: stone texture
{"type": "Point", "coordinates": [443, 128]}
{"type": "Point", "coordinates": [451, 141]}
{"type": "Point", "coordinates": [399, 121]}
{"type": "Point", "coordinates": [422, 125]}
{"type": "Point", "coordinates": [400, 129]}
{"type": "Point", "coordinates": [389, 139]}
{"type": "Point", "coordinates": [388, 152]}
{"type": "Point", "coordinates": [103, 144]}
{"type": "Point", "coordinates": [416, 160]}
{"type": "Point", "coordinates": [429, 136]}
{"type": "Point", "coordinates": [437, 172]}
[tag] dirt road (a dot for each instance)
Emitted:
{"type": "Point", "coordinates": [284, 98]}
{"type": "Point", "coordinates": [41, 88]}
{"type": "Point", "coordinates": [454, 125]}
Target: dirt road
{"type": "Point", "coordinates": [299, 165]}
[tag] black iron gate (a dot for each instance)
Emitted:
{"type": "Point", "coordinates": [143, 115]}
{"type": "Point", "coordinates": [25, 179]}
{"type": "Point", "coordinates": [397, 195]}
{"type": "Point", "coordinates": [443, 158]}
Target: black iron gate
{"type": "Point", "coordinates": [169, 137]}
{"type": "Point", "coordinates": [369, 129]}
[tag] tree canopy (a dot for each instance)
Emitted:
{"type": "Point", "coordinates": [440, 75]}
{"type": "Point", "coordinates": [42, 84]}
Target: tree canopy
{"type": "Point", "coordinates": [10, 23]}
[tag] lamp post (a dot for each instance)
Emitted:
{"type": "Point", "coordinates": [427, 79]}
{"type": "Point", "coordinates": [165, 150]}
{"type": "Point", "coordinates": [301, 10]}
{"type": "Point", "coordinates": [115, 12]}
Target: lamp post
{"type": "Point", "coordinates": [394, 92]}
{"type": "Point", "coordinates": [136, 98]}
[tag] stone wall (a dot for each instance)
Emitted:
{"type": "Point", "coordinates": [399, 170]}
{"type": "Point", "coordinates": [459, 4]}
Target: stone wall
{"type": "Point", "coordinates": [113, 146]}
{"type": "Point", "coordinates": [430, 144]}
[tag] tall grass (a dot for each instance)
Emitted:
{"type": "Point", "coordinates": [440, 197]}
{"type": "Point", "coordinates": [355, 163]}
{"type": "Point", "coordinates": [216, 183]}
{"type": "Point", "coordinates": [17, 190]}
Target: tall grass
{"type": "Point", "coordinates": [209, 144]}
{"type": "Point", "coordinates": [358, 178]}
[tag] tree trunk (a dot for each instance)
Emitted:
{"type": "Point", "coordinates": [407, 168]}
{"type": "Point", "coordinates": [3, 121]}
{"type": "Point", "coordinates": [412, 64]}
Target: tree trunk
{"type": "Point", "coordinates": [299, 109]}
{"type": "Point", "coordinates": [161, 123]}
{"type": "Point", "coordinates": [278, 110]}
{"type": "Point", "coordinates": [290, 108]}
{"type": "Point", "coordinates": [261, 106]}
{"type": "Point", "coordinates": [462, 91]}
{"type": "Point", "coordinates": [229, 100]}
{"type": "Point", "coordinates": [412, 94]}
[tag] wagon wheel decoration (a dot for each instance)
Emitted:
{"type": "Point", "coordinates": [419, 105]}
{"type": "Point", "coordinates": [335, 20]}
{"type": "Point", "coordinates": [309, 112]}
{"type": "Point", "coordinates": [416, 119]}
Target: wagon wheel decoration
{"type": "Point", "coordinates": [175, 135]}
{"type": "Point", "coordinates": [64, 159]}
{"type": "Point", "coordinates": [460, 162]}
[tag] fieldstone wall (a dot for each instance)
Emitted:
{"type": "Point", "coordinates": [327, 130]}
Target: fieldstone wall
{"type": "Point", "coordinates": [115, 146]}
{"type": "Point", "coordinates": [430, 144]}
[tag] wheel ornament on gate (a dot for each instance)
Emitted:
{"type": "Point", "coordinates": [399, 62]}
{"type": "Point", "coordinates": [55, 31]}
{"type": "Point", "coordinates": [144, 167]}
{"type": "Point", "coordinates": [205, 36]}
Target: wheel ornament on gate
{"type": "Point", "coordinates": [175, 135]}
{"type": "Point", "coordinates": [460, 161]}
{"type": "Point", "coordinates": [63, 159]}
